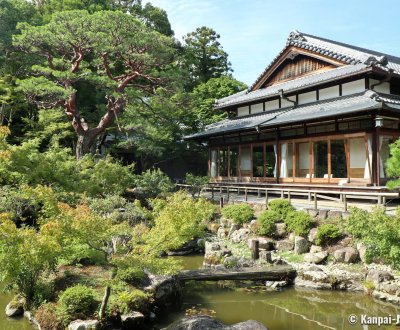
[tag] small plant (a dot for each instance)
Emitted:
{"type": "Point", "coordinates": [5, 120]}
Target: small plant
{"type": "Point", "coordinates": [196, 183]}
{"type": "Point", "coordinates": [153, 183]}
{"type": "Point", "coordinates": [266, 223]}
{"type": "Point", "coordinates": [281, 207]}
{"type": "Point", "coordinates": [238, 213]}
{"type": "Point", "coordinates": [134, 300]}
{"type": "Point", "coordinates": [327, 233]}
{"type": "Point", "coordinates": [77, 302]}
{"type": "Point", "coordinates": [369, 286]}
{"type": "Point", "coordinates": [46, 316]}
{"type": "Point", "coordinates": [298, 222]}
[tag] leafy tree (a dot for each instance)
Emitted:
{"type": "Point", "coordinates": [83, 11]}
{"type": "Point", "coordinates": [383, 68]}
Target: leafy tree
{"type": "Point", "coordinates": [153, 183]}
{"type": "Point", "coordinates": [26, 255]}
{"type": "Point", "coordinates": [205, 94]}
{"type": "Point", "coordinates": [204, 55]}
{"type": "Point", "coordinates": [107, 51]}
{"type": "Point", "coordinates": [393, 165]}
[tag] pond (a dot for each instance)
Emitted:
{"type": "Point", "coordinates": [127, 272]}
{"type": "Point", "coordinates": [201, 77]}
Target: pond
{"type": "Point", "coordinates": [7, 323]}
{"type": "Point", "coordinates": [289, 309]}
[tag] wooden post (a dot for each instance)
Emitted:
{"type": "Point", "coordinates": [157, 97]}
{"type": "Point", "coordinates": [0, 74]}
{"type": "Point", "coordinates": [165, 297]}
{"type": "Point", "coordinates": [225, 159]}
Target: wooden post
{"type": "Point", "coordinates": [221, 202]}
{"type": "Point", "coordinates": [266, 199]}
{"type": "Point", "coordinates": [282, 194]}
{"type": "Point", "coordinates": [255, 253]}
{"type": "Point", "coordinates": [379, 199]}
{"type": "Point", "coordinates": [227, 193]}
{"type": "Point", "coordinates": [212, 192]}
{"type": "Point", "coordinates": [315, 201]}
{"type": "Point", "coordinates": [245, 194]}
{"type": "Point", "coordinates": [309, 196]}
{"type": "Point", "coordinates": [288, 196]}
{"type": "Point", "coordinates": [384, 200]}
{"type": "Point", "coordinates": [344, 202]}
{"type": "Point", "coordinates": [220, 189]}
{"type": "Point", "coordinates": [258, 193]}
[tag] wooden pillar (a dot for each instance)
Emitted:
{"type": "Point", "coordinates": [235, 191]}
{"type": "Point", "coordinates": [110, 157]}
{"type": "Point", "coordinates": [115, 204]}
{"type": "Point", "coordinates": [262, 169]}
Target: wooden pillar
{"type": "Point", "coordinates": [376, 157]}
{"type": "Point", "coordinates": [329, 161]}
{"type": "Point", "coordinates": [227, 193]}
{"type": "Point", "coordinates": [255, 249]}
{"type": "Point", "coordinates": [344, 202]}
{"type": "Point", "coordinates": [266, 199]}
{"type": "Point", "coordinates": [347, 152]}
{"type": "Point", "coordinates": [315, 201]}
{"type": "Point", "coordinates": [221, 202]}
{"type": "Point", "coordinates": [212, 192]}
{"type": "Point", "coordinates": [245, 194]}
{"type": "Point", "coordinates": [258, 193]}
{"type": "Point", "coordinates": [288, 196]}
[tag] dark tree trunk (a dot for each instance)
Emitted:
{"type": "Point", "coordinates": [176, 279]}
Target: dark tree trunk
{"type": "Point", "coordinates": [86, 143]}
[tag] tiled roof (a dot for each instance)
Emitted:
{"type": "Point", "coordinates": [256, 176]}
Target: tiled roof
{"type": "Point", "coordinates": [356, 58]}
{"type": "Point", "coordinates": [303, 82]}
{"type": "Point", "coordinates": [337, 106]}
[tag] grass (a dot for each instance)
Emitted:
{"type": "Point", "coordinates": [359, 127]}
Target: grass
{"type": "Point", "coordinates": [239, 249]}
{"type": "Point", "coordinates": [290, 256]}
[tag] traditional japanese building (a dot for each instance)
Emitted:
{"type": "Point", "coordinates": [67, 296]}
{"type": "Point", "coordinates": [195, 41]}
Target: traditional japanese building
{"type": "Point", "coordinates": [322, 112]}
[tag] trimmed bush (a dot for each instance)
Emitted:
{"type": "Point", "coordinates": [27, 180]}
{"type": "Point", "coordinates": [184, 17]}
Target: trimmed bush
{"type": "Point", "coordinates": [298, 222]}
{"type": "Point", "coordinates": [131, 275]}
{"type": "Point", "coordinates": [281, 207]}
{"type": "Point", "coordinates": [134, 300]}
{"type": "Point", "coordinates": [327, 233]}
{"type": "Point", "coordinates": [266, 223]}
{"type": "Point", "coordinates": [77, 302]}
{"type": "Point", "coordinates": [238, 213]}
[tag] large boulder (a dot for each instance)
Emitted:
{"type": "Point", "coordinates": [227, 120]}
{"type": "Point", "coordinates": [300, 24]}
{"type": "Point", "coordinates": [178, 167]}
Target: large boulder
{"type": "Point", "coordinates": [316, 258]}
{"type": "Point", "coordinates": [378, 276]}
{"type": "Point", "coordinates": [166, 290]}
{"type": "Point", "coordinates": [362, 251]}
{"type": "Point", "coordinates": [240, 235]}
{"type": "Point", "coordinates": [312, 235]}
{"type": "Point", "coordinates": [84, 325]}
{"type": "Point", "coordinates": [204, 322]}
{"type": "Point", "coordinates": [15, 307]}
{"type": "Point", "coordinates": [133, 320]}
{"type": "Point", "coordinates": [222, 232]}
{"type": "Point", "coordinates": [315, 249]}
{"type": "Point", "coordinates": [346, 255]}
{"type": "Point", "coordinates": [301, 245]}
{"type": "Point", "coordinates": [284, 245]}
{"type": "Point", "coordinates": [280, 229]}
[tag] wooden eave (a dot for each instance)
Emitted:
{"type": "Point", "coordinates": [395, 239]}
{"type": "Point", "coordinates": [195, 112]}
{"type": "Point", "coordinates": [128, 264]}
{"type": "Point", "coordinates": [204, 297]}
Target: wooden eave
{"type": "Point", "coordinates": [289, 53]}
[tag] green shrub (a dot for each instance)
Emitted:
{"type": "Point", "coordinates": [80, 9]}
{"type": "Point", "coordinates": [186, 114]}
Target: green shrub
{"type": "Point", "coordinates": [153, 183]}
{"type": "Point", "coordinates": [131, 275]}
{"type": "Point", "coordinates": [281, 207]}
{"type": "Point", "coordinates": [77, 302]}
{"type": "Point", "coordinates": [327, 233]}
{"type": "Point", "coordinates": [266, 223]}
{"type": "Point", "coordinates": [238, 213]}
{"type": "Point", "coordinates": [134, 300]}
{"type": "Point", "coordinates": [196, 183]}
{"type": "Point", "coordinates": [298, 222]}
{"type": "Point", "coordinates": [378, 231]}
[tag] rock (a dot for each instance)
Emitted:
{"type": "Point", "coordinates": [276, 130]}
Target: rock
{"type": "Point", "coordinates": [315, 249]}
{"type": "Point", "coordinates": [213, 227]}
{"type": "Point", "coordinates": [312, 212]}
{"type": "Point", "coordinates": [204, 322]}
{"type": "Point", "coordinates": [221, 233]}
{"type": "Point", "coordinates": [15, 307]}
{"type": "Point", "coordinates": [301, 245]}
{"type": "Point", "coordinates": [312, 235]}
{"type": "Point", "coordinates": [284, 245]}
{"type": "Point", "coordinates": [322, 214]}
{"type": "Point", "coordinates": [347, 255]}
{"type": "Point", "coordinates": [84, 325]}
{"type": "Point", "coordinates": [276, 284]}
{"type": "Point", "coordinates": [279, 261]}
{"type": "Point", "coordinates": [316, 258]}
{"type": "Point", "coordinates": [132, 320]}
{"type": "Point", "coordinates": [232, 229]}
{"type": "Point", "coordinates": [291, 237]}
{"type": "Point", "coordinates": [253, 226]}
{"type": "Point", "coordinates": [212, 246]}
{"type": "Point", "coordinates": [378, 276]}
{"type": "Point", "coordinates": [263, 243]}
{"type": "Point", "coordinates": [266, 256]}
{"type": "Point", "coordinates": [362, 251]}
{"type": "Point", "coordinates": [166, 290]}
{"type": "Point", "coordinates": [335, 214]}
{"type": "Point", "coordinates": [280, 229]}
{"type": "Point", "coordinates": [240, 235]}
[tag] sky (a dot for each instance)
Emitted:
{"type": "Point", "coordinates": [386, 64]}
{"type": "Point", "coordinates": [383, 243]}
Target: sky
{"type": "Point", "coordinates": [253, 32]}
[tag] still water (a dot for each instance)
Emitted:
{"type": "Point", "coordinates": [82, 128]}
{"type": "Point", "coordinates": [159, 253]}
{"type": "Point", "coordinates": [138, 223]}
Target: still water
{"type": "Point", "coordinates": [290, 309]}
{"type": "Point", "coordinates": [7, 323]}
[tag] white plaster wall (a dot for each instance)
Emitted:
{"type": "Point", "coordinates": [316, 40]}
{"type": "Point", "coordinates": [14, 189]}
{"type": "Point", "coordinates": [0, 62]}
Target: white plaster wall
{"type": "Point", "coordinates": [328, 93]}
{"type": "Point", "coordinates": [243, 111]}
{"type": "Point", "coordinates": [307, 97]}
{"type": "Point", "coordinates": [352, 87]}
{"type": "Point", "coordinates": [255, 108]}
{"type": "Point", "coordinates": [383, 88]}
{"type": "Point", "coordinates": [357, 153]}
{"type": "Point", "coordinates": [285, 103]}
{"type": "Point", "coordinates": [272, 105]}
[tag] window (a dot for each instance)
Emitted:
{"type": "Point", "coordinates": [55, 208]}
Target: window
{"type": "Point", "coordinates": [213, 163]}
{"type": "Point", "coordinates": [270, 161]}
{"type": "Point", "coordinates": [233, 161]}
{"type": "Point", "coordinates": [245, 161]}
{"type": "Point", "coordinates": [338, 159]}
{"type": "Point", "coordinates": [223, 162]}
{"type": "Point", "coordinates": [286, 167]}
{"type": "Point", "coordinates": [258, 161]}
{"type": "Point", "coordinates": [320, 159]}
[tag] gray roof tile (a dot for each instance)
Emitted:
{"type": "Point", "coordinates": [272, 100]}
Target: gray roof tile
{"type": "Point", "coordinates": [337, 106]}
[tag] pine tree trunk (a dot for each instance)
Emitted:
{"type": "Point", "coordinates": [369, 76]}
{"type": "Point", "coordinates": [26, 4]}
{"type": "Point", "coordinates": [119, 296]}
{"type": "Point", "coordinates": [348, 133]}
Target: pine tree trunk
{"type": "Point", "coordinates": [86, 143]}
